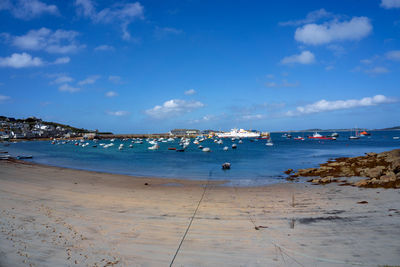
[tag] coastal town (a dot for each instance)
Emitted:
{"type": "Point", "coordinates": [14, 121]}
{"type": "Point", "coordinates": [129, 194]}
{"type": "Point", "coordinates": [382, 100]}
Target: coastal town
{"type": "Point", "coordinates": [35, 128]}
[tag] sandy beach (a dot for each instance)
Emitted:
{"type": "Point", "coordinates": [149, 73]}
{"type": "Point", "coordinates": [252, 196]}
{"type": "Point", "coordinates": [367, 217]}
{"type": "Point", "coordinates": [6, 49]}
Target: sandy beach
{"type": "Point", "coordinates": [52, 216]}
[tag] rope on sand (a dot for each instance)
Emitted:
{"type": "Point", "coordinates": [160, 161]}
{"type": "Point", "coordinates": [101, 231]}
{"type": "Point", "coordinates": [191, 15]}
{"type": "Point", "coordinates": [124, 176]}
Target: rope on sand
{"type": "Point", "coordinates": [191, 219]}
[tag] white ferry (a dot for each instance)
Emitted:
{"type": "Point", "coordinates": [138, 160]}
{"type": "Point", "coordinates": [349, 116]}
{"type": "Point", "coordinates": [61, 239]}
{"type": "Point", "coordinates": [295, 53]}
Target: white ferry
{"type": "Point", "coordinates": [235, 133]}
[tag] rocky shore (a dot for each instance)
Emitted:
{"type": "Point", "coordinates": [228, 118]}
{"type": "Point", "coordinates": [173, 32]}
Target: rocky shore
{"type": "Point", "coordinates": [380, 169]}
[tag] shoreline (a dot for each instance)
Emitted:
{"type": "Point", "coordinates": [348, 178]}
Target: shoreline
{"type": "Point", "coordinates": [53, 216]}
{"type": "Point", "coordinates": [146, 179]}
{"type": "Point", "coordinates": [281, 180]}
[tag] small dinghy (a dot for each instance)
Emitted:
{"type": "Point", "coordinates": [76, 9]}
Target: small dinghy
{"type": "Point", "coordinates": [206, 149]}
{"type": "Point", "coordinates": [234, 146]}
{"type": "Point", "coordinates": [226, 166]}
{"type": "Point", "coordinates": [24, 157]}
{"type": "Point", "coordinates": [226, 148]}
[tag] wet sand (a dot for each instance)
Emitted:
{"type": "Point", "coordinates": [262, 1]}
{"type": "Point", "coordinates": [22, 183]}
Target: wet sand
{"type": "Point", "coordinates": [52, 216]}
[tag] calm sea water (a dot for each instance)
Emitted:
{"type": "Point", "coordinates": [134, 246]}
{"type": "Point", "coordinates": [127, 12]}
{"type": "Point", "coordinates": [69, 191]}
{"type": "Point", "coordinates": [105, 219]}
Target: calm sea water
{"type": "Point", "coordinates": [253, 163]}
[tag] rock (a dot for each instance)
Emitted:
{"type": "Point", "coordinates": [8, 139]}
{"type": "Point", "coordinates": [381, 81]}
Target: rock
{"type": "Point", "coordinates": [346, 171]}
{"type": "Point", "coordinates": [374, 172]}
{"type": "Point", "coordinates": [336, 164]}
{"type": "Point", "coordinates": [289, 171]}
{"type": "Point", "coordinates": [395, 166]}
{"type": "Point", "coordinates": [389, 176]}
{"type": "Point", "coordinates": [383, 169]}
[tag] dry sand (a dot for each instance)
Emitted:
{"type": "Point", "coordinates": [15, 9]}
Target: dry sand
{"type": "Point", "coordinates": [61, 217]}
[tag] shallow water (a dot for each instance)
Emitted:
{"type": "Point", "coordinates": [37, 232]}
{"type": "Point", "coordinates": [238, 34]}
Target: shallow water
{"type": "Point", "coordinates": [253, 163]}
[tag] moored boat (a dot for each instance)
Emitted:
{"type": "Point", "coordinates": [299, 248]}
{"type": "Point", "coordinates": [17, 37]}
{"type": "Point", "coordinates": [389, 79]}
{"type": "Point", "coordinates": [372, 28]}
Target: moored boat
{"type": "Point", "coordinates": [364, 133]}
{"type": "Point", "coordinates": [241, 133]}
{"type": "Point", "coordinates": [318, 136]}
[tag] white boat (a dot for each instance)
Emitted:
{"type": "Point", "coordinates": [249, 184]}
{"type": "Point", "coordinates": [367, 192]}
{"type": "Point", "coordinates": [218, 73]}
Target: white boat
{"type": "Point", "coordinates": [241, 133]}
{"type": "Point", "coordinates": [356, 136]}
{"type": "Point", "coordinates": [269, 143]}
{"type": "Point", "coordinates": [234, 146]}
{"type": "Point", "coordinates": [396, 137]}
{"type": "Point", "coordinates": [155, 147]}
{"type": "Point", "coordinates": [5, 157]}
{"type": "Point", "coordinates": [226, 148]}
{"type": "Point", "coordinates": [206, 149]}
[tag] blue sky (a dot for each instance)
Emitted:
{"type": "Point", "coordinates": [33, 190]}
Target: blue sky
{"type": "Point", "coordinates": [151, 66]}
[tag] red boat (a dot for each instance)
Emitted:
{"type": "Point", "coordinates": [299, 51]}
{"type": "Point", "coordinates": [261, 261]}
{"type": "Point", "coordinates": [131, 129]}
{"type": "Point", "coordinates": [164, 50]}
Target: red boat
{"type": "Point", "coordinates": [171, 148]}
{"type": "Point", "coordinates": [321, 137]}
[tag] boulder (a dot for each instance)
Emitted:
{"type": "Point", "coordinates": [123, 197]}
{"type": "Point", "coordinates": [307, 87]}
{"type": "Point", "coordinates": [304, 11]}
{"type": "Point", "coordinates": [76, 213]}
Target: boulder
{"type": "Point", "coordinates": [289, 171]}
{"type": "Point", "coordinates": [374, 172]}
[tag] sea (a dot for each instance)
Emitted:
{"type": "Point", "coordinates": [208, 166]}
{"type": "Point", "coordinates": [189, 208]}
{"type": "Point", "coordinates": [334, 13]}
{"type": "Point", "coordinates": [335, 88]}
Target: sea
{"type": "Point", "coordinates": [252, 162]}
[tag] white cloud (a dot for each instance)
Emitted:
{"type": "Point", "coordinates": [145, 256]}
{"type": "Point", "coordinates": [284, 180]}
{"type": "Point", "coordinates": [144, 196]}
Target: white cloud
{"type": "Point", "coordinates": [114, 78]}
{"type": "Point", "coordinates": [111, 94]}
{"type": "Point", "coordinates": [390, 4]}
{"type": "Point", "coordinates": [20, 61]}
{"type": "Point", "coordinates": [123, 13]}
{"type": "Point", "coordinates": [62, 79]}
{"type": "Point", "coordinates": [329, 67]}
{"type": "Point", "coordinates": [89, 80]}
{"type": "Point", "coordinates": [253, 117]}
{"type": "Point", "coordinates": [190, 92]}
{"type": "Point", "coordinates": [4, 98]}
{"type": "Point", "coordinates": [104, 48]}
{"type": "Point", "coordinates": [377, 70]}
{"type": "Point", "coordinates": [324, 105]}
{"type": "Point", "coordinates": [284, 83]}
{"type": "Point", "coordinates": [393, 55]}
{"type": "Point", "coordinates": [118, 113]}
{"type": "Point", "coordinates": [205, 118]}
{"type": "Point", "coordinates": [28, 9]}
{"type": "Point", "coordinates": [59, 41]}
{"type": "Point", "coordinates": [305, 57]}
{"type": "Point", "coordinates": [160, 32]}
{"type": "Point", "coordinates": [366, 61]}
{"type": "Point", "coordinates": [333, 31]}
{"type": "Point", "coordinates": [62, 60]}
{"type": "Point", "coordinates": [310, 18]}
{"type": "Point", "coordinates": [68, 88]}
{"type": "Point", "coordinates": [173, 107]}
